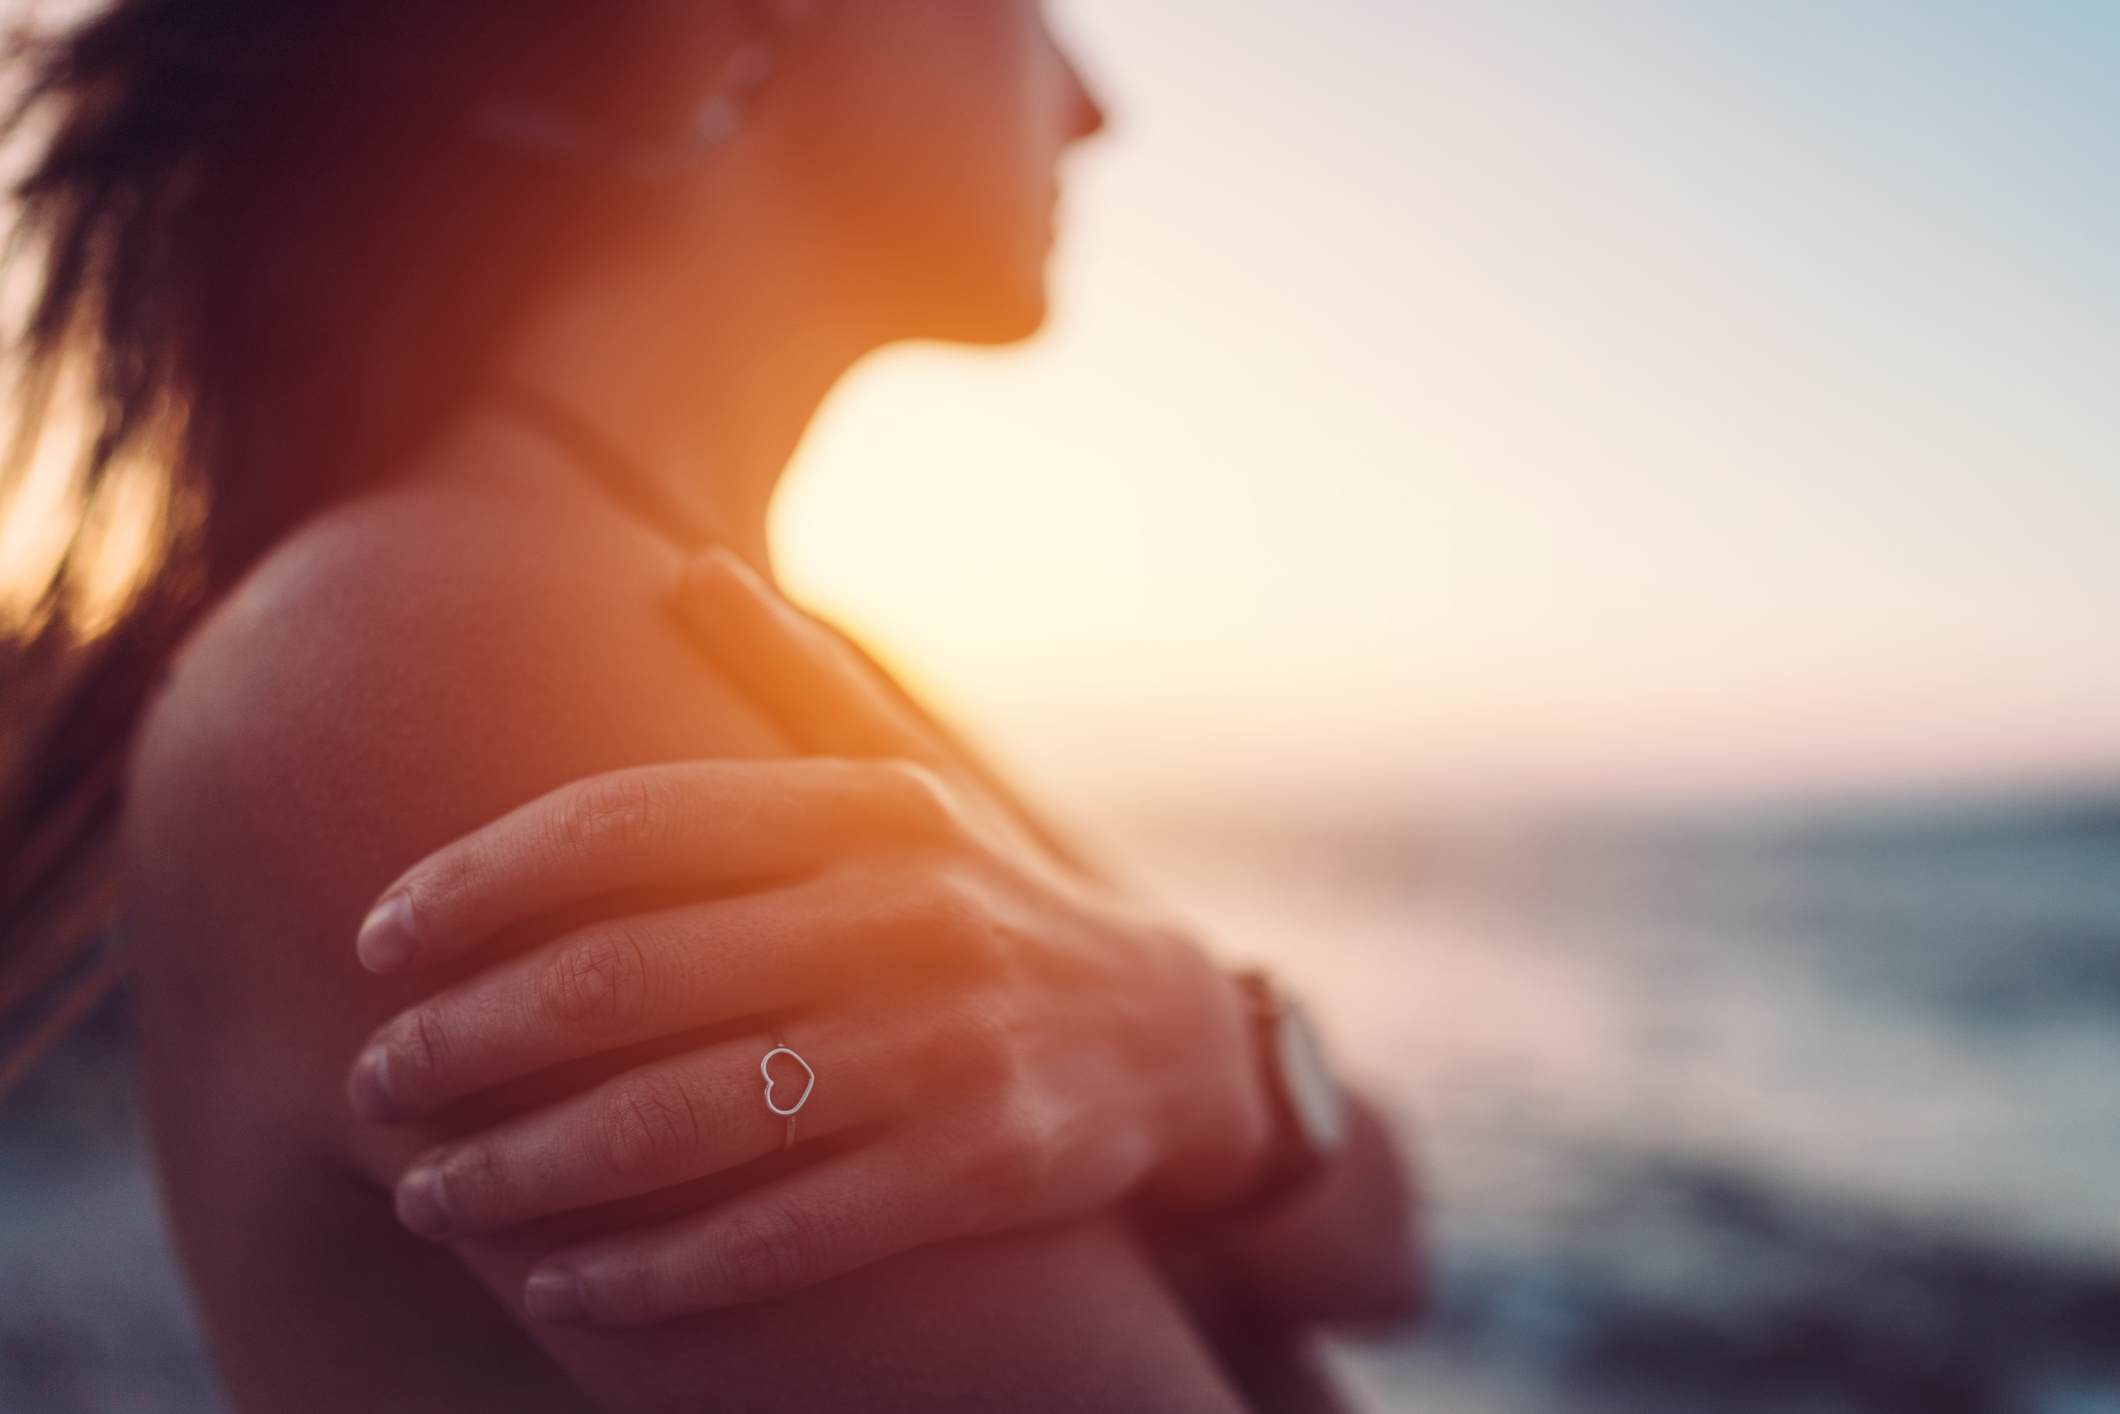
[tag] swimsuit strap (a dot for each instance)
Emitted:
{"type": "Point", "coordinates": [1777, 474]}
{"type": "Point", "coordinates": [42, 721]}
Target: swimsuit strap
{"type": "Point", "coordinates": [650, 500]}
{"type": "Point", "coordinates": [625, 479]}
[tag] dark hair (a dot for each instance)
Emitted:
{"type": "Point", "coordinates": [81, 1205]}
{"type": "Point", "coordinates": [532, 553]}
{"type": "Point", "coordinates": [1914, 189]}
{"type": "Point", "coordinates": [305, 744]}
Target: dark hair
{"type": "Point", "coordinates": [271, 254]}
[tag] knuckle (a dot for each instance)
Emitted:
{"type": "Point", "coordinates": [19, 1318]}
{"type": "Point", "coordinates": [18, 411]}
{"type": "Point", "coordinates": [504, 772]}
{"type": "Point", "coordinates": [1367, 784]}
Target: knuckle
{"type": "Point", "coordinates": [439, 885]}
{"type": "Point", "coordinates": [997, 1049]}
{"type": "Point", "coordinates": [955, 923]}
{"type": "Point", "coordinates": [1014, 1164]}
{"type": "Point", "coordinates": [913, 795]}
{"type": "Point", "coordinates": [766, 1251]}
{"type": "Point", "coordinates": [616, 814]}
{"type": "Point", "coordinates": [596, 986]}
{"type": "Point", "coordinates": [477, 1183]}
{"type": "Point", "coordinates": [631, 1283]}
{"type": "Point", "coordinates": [1013, 1134]}
{"type": "Point", "coordinates": [420, 1054]}
{"type": "Point", "coordinates": [651, 1127]}
{"type": "Point", "coordinates": [969, 1047]}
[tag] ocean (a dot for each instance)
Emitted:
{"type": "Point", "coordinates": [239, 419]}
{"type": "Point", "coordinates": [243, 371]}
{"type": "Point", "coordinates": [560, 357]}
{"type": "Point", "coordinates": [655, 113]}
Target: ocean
{"type": "Point", "coordinates": [1801, 1109]}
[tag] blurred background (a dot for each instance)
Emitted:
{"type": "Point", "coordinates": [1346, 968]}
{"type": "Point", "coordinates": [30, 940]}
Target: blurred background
{"type": "Point", "coordinates": [1584, 533]}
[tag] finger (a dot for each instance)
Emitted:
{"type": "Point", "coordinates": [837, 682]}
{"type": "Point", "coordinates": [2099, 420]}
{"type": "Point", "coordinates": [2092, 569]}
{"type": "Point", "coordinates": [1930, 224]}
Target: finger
{"type": "Point", "coordinates": [662, 1124]}
{"type": "Point", "coordinates": [810, 682]}
{"type": "Point", "coordinates": [845, 1213]}
{"type": "Point", "coordinates": [627, 980]}
{"type": "Point", "coordinates": [608, 985]}
{"type": "Point", "coordinates": [710, 826]}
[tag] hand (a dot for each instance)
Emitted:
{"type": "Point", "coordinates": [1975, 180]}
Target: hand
{"type": "Point", "coordinates": [998, 1039]}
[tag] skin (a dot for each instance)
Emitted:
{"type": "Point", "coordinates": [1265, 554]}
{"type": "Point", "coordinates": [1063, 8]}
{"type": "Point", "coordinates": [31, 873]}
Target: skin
{"type": "Point", "coordinates": [494, 625]}
{"type": "Point", "coordinates": [1011, 1039]}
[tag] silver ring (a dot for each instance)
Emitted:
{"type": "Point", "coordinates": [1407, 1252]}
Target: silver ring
{"type": "Point", "coordinates": [765, 1068]}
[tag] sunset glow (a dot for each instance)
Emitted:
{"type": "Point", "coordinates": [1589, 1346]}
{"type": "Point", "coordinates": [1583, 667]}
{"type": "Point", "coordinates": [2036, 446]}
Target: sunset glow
{"type": "Point", "coordinates": [1529, 396]}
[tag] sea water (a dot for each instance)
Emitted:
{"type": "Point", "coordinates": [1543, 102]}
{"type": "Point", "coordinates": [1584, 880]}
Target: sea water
{"type": "Point", "coordinates": [1794, 1110]}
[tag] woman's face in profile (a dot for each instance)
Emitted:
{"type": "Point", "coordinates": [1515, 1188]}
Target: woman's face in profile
{"type": "Point", "coordinates": [934, 130]}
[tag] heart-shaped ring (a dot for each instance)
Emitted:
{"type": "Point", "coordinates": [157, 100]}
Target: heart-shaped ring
{"type": "Point", "coordinates": [765, 1068]}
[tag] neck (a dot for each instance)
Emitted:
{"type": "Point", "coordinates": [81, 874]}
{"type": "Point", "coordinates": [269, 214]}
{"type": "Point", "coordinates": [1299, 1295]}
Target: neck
{"type": "Point", "coordinates": [702, 370]}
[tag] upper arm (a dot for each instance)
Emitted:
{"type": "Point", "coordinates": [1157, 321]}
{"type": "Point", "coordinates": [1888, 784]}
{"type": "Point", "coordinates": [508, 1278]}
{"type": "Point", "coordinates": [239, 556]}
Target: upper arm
{"type": "Point", "coordinates": [374, 695]}
{"type": "Point", "coordinates": [387, 683]}
{"type": "Point", "coordinates": [381, 688]}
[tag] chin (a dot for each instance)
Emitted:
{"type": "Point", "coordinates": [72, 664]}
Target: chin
{"type": "Point", "coordinates": [955, 314]}
{"type": "Point", "coordinates": [1008, 305]}
{"type": "Point", "coordinates": [1008, 321]}
{"type": "Point", "coordinates": [980, 285]}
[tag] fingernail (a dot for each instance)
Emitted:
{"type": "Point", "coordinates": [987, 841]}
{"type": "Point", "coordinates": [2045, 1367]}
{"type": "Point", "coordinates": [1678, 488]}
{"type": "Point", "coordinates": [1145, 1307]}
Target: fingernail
{"type": "Point", "coordinates": [368, 1087]}
{"type": "Point", "coordinates": [386, 942]}
{"type": "Point", "coordinates": [556, 1294]}
{"type": "Point", "coordinates": [423, 1203]}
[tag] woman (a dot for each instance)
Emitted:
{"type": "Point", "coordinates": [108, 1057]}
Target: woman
{"type": "Point", "coordinates": [472, 338]}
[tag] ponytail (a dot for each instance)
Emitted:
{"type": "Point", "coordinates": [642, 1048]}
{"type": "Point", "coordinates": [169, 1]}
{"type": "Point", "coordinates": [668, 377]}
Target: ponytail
{"type": "Point", "coordinates": [267, 254]}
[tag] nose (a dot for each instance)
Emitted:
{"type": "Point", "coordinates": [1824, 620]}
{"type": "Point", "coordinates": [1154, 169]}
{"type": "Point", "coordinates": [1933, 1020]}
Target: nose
{"type": "Point", "coordinates": [1087, 115]}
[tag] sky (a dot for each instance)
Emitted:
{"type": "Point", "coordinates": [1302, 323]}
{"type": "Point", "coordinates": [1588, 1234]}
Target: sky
{"type": "Point", "coordinates": [1517, 396]}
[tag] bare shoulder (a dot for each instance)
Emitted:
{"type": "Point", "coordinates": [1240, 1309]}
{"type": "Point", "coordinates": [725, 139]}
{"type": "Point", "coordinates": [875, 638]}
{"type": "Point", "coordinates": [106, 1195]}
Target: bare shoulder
{"type": "Point", "coordinates": [432, 649]}
{"type": "Point", "coordinates": [403, 670]}
{"type": "Point", "coordinates": [400, 672]}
